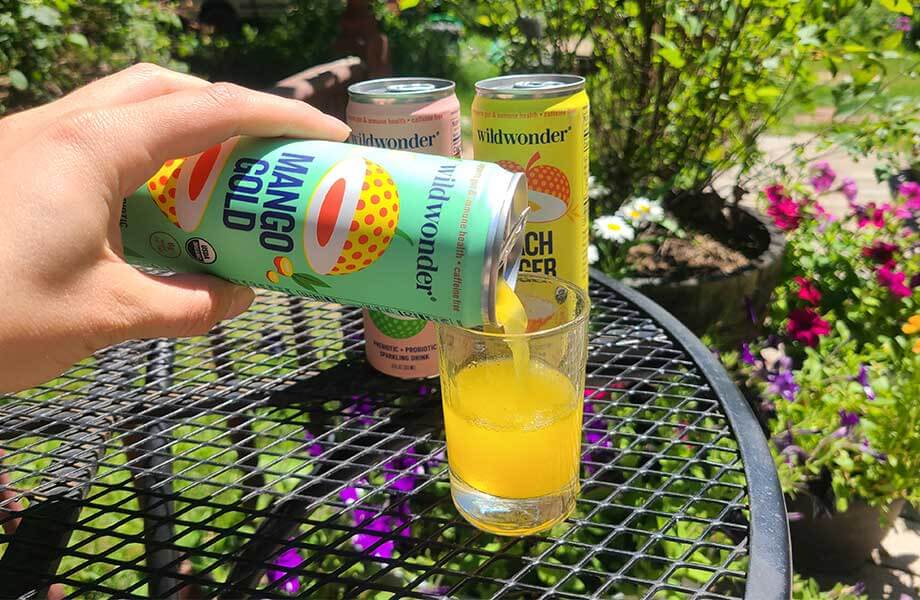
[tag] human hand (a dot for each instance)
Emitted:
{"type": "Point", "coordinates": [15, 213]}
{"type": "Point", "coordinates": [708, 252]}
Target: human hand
{"type": "Point", "coordinates": [66, 167]}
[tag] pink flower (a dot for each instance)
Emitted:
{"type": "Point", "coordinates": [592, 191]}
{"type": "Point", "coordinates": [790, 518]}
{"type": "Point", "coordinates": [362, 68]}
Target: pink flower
{"type": "Point", "coordinates": [880, 252]}
{"type": "Point", "coordinates": [902, 23]}
{"type": "Point", "coordinates": [785, 213]}
{"type": "Point", "coordinates": [806, 326]}
{"type": "Point", "coordinates": [822, 176]}
{"type": "Point", "coordinates": [898, 211]}
{"type": "Point", "coordinates": [870, 215]}
{"type": "Point", "coordinates": [849, 189]}
{"type": "Point", "coordinates": [894, 281]}
{"type": "Point", "coordinates": [808, 291]}
{"type": "Point", "coordinates": [911, 192]}
{"type": "Point", "coordinates": [774, 193]}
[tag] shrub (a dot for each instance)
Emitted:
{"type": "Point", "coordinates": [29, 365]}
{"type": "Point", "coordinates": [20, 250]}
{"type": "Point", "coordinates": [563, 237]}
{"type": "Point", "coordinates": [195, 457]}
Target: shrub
{"type": "Point", "coordinates": [267, 51]}
{"type": "Point", "coordinates": [681, 90]}
{"type": "Point", "coordinates": [48, 48]}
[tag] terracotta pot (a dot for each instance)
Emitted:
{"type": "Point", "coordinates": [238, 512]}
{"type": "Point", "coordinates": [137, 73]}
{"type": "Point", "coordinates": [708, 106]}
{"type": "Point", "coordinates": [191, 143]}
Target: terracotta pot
{"type": "Point", "coordinates": [719, 304]}
{"type": "Point", "coordinates": [838, 542]}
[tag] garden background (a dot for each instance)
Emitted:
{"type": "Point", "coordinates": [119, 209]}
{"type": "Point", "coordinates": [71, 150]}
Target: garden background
{"type": "Point", "coordinates": [806, 112]}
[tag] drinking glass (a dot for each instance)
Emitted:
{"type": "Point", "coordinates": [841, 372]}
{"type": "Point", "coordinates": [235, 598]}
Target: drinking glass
{"type": "Point", "coordinates": [513, 437]}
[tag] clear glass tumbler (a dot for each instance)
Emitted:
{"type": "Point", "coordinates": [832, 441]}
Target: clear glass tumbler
{"type": "Point", "coordinates": [513, 437]}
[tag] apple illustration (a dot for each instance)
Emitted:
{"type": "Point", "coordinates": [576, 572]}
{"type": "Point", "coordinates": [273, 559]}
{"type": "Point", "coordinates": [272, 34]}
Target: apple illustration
{"type": "Point", "coordinates": [548, 188]}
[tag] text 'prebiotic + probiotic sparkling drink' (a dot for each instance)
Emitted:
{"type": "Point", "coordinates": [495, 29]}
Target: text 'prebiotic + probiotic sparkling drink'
{"type": "Point", "coordinates": [420, 115]}
{"type": "Point", "coordinates": [423, 236]}
{"type": "Point", "coordinates": [538, 125]}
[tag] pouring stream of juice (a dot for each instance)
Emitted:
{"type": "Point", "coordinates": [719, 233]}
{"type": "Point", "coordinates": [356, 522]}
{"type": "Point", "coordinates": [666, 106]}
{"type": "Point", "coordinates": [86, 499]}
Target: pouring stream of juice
{"type": "Point", "coordinates": [510, 313]}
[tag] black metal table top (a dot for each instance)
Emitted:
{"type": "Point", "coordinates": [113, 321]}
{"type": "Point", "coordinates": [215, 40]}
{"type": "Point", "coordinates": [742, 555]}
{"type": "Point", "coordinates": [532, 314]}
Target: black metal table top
{"type": "Point", "coordinates": [267, 460]}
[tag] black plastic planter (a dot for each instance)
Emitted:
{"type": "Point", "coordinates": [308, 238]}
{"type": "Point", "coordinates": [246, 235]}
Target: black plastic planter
{"type": "Point", "coordinates": [838, 542]}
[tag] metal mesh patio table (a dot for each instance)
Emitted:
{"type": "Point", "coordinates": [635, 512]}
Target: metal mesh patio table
{"type": "Point", "coordinates": [267, 459]}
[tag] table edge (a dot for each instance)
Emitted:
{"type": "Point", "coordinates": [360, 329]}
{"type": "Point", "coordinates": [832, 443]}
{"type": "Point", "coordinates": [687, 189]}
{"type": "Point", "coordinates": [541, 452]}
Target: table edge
{"type": "Point", "coordinates": [770, 567]}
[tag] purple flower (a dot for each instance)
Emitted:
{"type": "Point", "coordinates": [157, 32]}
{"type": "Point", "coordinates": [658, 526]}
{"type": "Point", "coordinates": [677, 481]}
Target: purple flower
{"type": "Point", "coordinates": [783, 385]}
{"type": "Point", "coordinates": [901, 23]}
{"type": "Point", "coordinates": [315, 448]}
{"type": "Point", "coordinates": [848, 419]}
{"type": "Point", "coordinates": [403, 482]}
{"type": "Point", "coordinates": [911, 192]}
{"type": "Point", "coordinates": [362, 407]}
{"type": "Point", "coordinates": [352, 494]}
{"type": "Point", "coordinates": [381, 524]}
{"type": "Point", "coordinates": [749, 307]}
{"type": "Point", "coordinates": [822, 176]}
{"type": "Point", "coordinates": [289, 559]}
{"type": "Point", "coordinates": [747, 357]}
{"type": "Point", "coordinates": [849, 189]}
{"type": "Point", "coordinates": [879, 456]}
{"type": "Point", "coordinates": [595, 435]}
{"type": "Point", "coordinates": [774, 193]}
{"type": "Point", "coordinates": [862, 378]}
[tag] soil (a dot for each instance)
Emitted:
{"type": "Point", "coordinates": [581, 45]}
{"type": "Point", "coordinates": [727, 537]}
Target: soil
{"type": "Point", "coordinates": [697, 255]}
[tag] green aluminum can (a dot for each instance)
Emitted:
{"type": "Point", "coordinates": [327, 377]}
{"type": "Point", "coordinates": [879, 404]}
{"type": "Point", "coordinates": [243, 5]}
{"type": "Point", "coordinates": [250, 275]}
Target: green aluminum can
{"type": "Point", "coordinates": [419, 235]}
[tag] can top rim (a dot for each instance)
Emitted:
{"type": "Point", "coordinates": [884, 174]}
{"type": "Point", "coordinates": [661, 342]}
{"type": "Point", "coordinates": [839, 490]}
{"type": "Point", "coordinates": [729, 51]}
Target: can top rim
{"type": "Point", "coordinates": [543, 85]}
{"type": "Point", "coordinates": [401, 89]}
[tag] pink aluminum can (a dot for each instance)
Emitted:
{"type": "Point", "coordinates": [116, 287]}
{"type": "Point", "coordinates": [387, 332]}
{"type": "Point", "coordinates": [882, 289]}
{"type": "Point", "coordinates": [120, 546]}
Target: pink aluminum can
{"type": "Point", "coordinates": [418, 114]}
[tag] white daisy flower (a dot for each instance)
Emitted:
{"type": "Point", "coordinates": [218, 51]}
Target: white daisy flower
{"type": "Point", "coordinates": [613, 228]}
{"type": "Point", "coordinates": [595, 189]}
{"type": "Point", "coordinates": [593, 254]}
{"type": "Point", "coordinates": [642, 210]}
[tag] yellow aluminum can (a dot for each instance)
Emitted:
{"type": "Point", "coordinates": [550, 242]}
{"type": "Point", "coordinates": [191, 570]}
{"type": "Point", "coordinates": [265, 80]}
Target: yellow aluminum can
{"type": "Point", "coordinates": [538, 125]}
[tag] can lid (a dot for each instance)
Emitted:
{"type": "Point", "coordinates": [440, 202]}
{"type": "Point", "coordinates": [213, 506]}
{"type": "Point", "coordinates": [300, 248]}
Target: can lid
{"type": "Point", "coordinates": [507, 245]}
{"type": "Point", "coordinates": [394, 90]}
{"type": "Point", "coordinates": [530, 86]}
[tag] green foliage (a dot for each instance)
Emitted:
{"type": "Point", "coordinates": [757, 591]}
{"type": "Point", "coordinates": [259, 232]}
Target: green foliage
{"type": "Point", "coordinates": [267, 51]}
{"type": "Point", "coordinates": [424, 39]}
{"type": "Point", "coordinates": [808, 589]}
{"type": "Point", "coordinates": [680, 90]}
{"type": "Point", "coordinates": [48, 48]}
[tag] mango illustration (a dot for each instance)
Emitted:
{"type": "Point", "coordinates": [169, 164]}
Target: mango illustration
{"type": "Point", "coordinates": [182, 187]}
{"type": "Point", "coordinates": [351, 217]}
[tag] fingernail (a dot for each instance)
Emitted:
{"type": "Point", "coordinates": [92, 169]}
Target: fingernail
{"type": "Point", "coordinates": [241, 300]}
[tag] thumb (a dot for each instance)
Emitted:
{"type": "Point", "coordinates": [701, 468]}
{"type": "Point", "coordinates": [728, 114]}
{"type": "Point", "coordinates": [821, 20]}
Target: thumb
{"type": "Point", "coordinates": [179, 305]}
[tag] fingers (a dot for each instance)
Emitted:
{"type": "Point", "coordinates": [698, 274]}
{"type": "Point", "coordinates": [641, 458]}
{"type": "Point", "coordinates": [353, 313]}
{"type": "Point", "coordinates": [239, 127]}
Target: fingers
{"type": "Point", "coordinates": [129, 142]}
{"type": "Point", "coordinates": [148, 306]}
{"type": "Point", "coordinates": [134, 84]}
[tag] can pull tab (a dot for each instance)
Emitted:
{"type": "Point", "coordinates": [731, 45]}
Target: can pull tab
{"type": "Point", "coordinates": [537, 85]}
{"type": "Point", "coordinates": [516, 231]}
{"type": "Point", "coordinates": [408, 88]}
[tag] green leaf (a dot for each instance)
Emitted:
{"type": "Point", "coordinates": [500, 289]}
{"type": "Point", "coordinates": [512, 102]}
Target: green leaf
{"type": "Point", "coordinates": [309, 282]}
{"type": "Point", "coordinates": [18, 80]}
{"type": "Point", "coordinates": [78, 39]}
{"type": "Point", "coordinates": [900, 6]}
{"type": "Point", "coordinates": [892, 41]}
{"type": "Point", "coordinates": [42, 14]}
{"type": "Point", "coordinates": [673, 56]}
{"type": "Point", "coordinates": [403, 235]}
{"type": "Point", "coordinates": [769, 91]}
